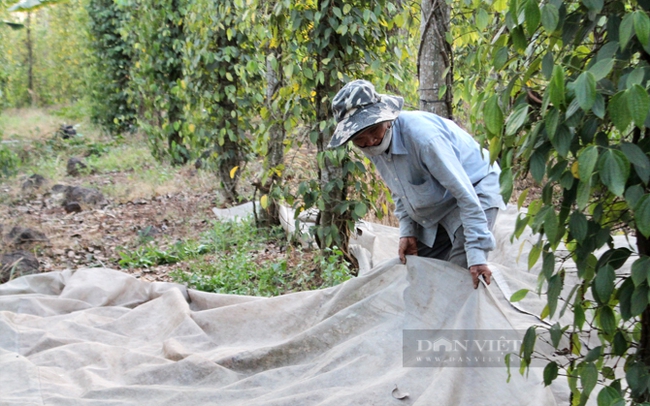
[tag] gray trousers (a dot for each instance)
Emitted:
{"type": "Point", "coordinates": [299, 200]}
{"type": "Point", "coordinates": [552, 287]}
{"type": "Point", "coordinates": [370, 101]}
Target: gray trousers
{"type": "Point", "coordinates": [454, 252]}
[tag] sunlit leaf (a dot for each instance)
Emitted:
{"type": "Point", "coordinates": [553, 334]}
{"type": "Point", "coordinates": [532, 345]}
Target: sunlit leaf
{"type": "Point", "coordinates": [614, 169]}
{"type": "Point", "coordinates": [585, 88]}
{"type": "Point", "coordinates": [533, 17]}
{"type": "Point", "coordinates": [638, 102]}
{"type": "Point", "coordinates": [594, 5]}
{"type": "Point", "coordinates": [516, 119]}
{"type": "Point", "coordinates": [519, 295]}
{"type": "Point", "coordinates": [556, 86]}
{"type": "Point", "coordinates": [550, 17]}
{"type": "Point", "coordinates": [551, 120]}
{"type": "Point", "coordinates": [578, 226]}
{"type": "Point", "coordinates": [639, 159]}
{"type": "Point", "coordinates": [603, 285]}
{"type": "Point", "coordinates": [550, 373]}
{"type": "Point", "coordinates": [584, 193]}
{"type": "Point", "coordinates": [642, 27]}
{"type": "Point", "coordinates": [493, 115]}
{"type": "Point", "coordinates": [553, 293]}
{"type": "Point", "coordinates": [619, 111]}
{"type": "Point", "coordinates": [607, 320]}
{"type": "Point", "coordinates": [506, 182]}
{"type": "Point", "coordinates": [601, 69]}
{"type": "Point", "coordinates": [642, 215]}
{"type": "Point", "coordinates": [589, 377]}
{"type": "Point", "coordinates": [360, 209]}
{"type": "Point", "coordinates": [626, 30]}
{"type": "Point", "coordinates": [587, 162]}
{"type": "Point", "coordinates": [640, 270]}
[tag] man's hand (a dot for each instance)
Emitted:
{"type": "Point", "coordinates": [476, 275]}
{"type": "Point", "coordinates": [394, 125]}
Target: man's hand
{"type": "Point", "coordinates": [476, 271]}
{"type": "Point", "coordinates": [407, 246]}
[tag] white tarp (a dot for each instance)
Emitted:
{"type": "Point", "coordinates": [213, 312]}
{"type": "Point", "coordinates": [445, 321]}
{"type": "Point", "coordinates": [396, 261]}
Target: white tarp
{"type": "Point", "coordinates": [102, 337]}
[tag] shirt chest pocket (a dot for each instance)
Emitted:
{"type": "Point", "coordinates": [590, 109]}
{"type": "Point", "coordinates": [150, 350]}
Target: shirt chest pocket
{"type": "Point", "coordinates": [425, 192]}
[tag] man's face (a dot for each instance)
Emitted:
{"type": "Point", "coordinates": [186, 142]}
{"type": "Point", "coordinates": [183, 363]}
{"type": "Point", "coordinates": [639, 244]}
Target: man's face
{"type": "Point", "coordinates": [371, 136]}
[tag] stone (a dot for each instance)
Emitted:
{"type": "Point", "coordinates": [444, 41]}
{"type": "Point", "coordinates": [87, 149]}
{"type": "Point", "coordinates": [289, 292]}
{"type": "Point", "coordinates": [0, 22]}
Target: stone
{"type": "Point", "coordinates": [72, 207]}
{"type": "Point", "coordinates": [74, 165]}
{"type": "Point", "coordinates": [34, 182]}
{"type": "Point", "coordinates": [148, 232]}
{"type": "Point", "coordinates": [58, 188]}
{"type": "Point", "coordinates": [83, 195]}
{"type": "Point", "coordinates": [66, 131]}
{"type": "Point", "coordinates": [23, 236]}
{"type": "Point", "coordinates": [17, 263]}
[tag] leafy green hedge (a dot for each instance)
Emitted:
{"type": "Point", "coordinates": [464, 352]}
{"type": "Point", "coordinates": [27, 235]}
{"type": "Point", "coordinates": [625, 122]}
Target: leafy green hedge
{"type": "Point", "coordinates": [112, 104]}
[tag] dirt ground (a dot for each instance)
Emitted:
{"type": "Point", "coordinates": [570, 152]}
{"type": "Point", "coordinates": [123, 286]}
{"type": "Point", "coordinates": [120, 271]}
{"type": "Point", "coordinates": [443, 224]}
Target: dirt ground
{"type": "Point", "coordinates": [176, 208]}
{"type": "Point", "coordinates": [92, 237]}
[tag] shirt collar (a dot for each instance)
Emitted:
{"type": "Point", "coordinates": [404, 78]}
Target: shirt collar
{"type": "Point", "coordinates": [397, 145]}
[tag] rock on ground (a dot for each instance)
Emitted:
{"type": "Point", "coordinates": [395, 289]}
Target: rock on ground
{"type": "Point", "coordinates": [74, 165]}
{"type": "Point", "coordinates": [17, 263]}
{"type": "Point", "coordinates": [34, 182]}
{"type": "Point", "coordinates": [23, 237]}
{"type": "Point", "coordinates": [84, 195]}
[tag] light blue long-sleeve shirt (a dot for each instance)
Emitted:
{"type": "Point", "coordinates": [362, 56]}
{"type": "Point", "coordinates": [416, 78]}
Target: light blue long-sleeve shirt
{"type": "Point", "coordinates": [438, 174]}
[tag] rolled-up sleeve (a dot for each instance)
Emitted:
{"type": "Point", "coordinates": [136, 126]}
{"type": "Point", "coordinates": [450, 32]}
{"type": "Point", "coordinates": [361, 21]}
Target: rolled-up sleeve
{"type": "Point", "coordinates": [406, 224]}
{"type": "Point", "coordinates": [438, 156]}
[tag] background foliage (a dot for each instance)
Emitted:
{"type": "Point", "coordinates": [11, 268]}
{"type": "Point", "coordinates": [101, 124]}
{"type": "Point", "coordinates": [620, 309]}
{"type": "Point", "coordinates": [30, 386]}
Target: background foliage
{"type": "Point", "coordinates": [60, 55]}
{"type": "Point", "coordinates": [557, 90]}
{"type": "Point", "coordinates": [564, 100]}
{"type": "Point", "coordinates": [155, 32]}
{"type": "Point", "coordinates": [110, 81]}
{"type": "Point", "coordinates": [224, 89]}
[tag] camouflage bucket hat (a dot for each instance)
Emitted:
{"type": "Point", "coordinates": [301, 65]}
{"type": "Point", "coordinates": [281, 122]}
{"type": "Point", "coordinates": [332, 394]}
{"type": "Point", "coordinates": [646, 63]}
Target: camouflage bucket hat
{"type": "Point", "coordinates": [358, 106]}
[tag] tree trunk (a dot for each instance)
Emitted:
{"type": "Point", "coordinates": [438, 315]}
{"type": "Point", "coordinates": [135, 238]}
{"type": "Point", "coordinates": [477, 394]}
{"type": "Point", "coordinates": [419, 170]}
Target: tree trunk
{"type": "Point", "coordinates": [330, 223]}
{"type": "Point", "coordinates": [270, 216]}
{"type": "Point", "coordinates": [30, 60]}
{"type": "Point", "coordinates": [229, 158]}
{"type": "Point", "coordinates": [434, 59]}
{"type": "Point", "coordinates": [178, 151]}
{"type": "Point", "coordinates": [643, 245]}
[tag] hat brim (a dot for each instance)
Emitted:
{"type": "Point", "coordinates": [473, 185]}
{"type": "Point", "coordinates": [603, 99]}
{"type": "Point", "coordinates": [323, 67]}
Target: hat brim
{"type": "Point", "coordinates": [387, 109]}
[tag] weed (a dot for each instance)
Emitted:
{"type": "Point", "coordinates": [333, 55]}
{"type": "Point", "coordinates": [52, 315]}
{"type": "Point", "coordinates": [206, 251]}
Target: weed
{"type": "Point", "coordinates": [125, 157]}
{"type": "Point", "coordinates": [149, 255]}
{"type": "Point", "coordinates": [73, 112]}
{"type": "Point", "coordinates": [236, 273]}
{"type": "Point", "coordinates": [234, 268]}
{"type": "Point", "coordinates": [9, 162]}
{"type": "Point", "coordinates": [98, 148]}
{"type": "Point", "coordinates": [28, 123]}
{"type": "Point", "coordinates": [334, 269]}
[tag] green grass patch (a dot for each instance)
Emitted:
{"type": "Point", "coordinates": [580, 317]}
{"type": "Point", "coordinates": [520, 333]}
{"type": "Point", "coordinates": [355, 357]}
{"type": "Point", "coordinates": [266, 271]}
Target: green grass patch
{"type": "Point", "coordinates": [9, 162]}
{"type": "Point", "coordinates": [226, 260]}
{"type": "Point", "coordinates": [125, 157]}
{"type": "Point", "coordinates": [75, 112]}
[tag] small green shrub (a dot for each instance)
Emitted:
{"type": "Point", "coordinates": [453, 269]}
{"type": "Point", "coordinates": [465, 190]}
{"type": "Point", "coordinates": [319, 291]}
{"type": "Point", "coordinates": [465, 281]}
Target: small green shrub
{"type": "Point", "coordinates": [236, 270]}
{"type": "Point", "coordinates": [150, 255]}
{"type": "Point", "coordinates": [225, 260]}
{"type": "Point", "coordinates": [73, 112]}
{"type": "Point", "coordinates": [334, 269]}
{"type": "Point", "coordinates": [97, 149]}
{"type": "Point", "coordinates": [9, 162]}
{"type": "Point", "coordinates": [124, 157]}
{"type": "Point", "coordinates": [236, 273]}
